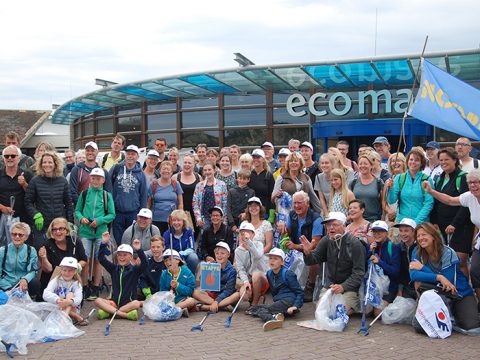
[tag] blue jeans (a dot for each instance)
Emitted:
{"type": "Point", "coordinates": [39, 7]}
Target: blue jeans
{"type": "Point", "coordinates": [192, 262]}
{"type": "Point", "coordinates": [121, 222]}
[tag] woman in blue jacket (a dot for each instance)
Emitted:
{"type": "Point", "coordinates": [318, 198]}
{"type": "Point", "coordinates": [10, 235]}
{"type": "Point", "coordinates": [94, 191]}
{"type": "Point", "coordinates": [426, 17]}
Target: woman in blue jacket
{"type": "Point", "coordinates": [183, 239]}
{"type": "Point", "coordinates": [433, 262]}
{"type": "Point", "coordinates": [413, 202]}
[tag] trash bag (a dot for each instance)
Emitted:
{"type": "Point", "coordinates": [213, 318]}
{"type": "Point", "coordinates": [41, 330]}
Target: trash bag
{"type": "Point", "coordinates": [57, 326]}
{"type": "Point", "coordinates": [321, 282]}
{"type": "Point", "coordinates": [294, 262]}
{"type": "Point", "coordinates": [401, 311]}
{"type": "Point", "coordinates": [18, 297]}
{"type": "Point", "coordinates": [377, 287]}
{"type": "Point", "coordinates": [161, 307]}
{"type": "Point", "coordinates": [471, 332]}
{"type": "Point", "coordinates": [432, 316]}
{"type": "Point", "coordinates": [331, 313]}
{"type": "Point", "coordinates": [3, 297]}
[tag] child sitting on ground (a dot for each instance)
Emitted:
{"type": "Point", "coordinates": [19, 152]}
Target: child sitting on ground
{"type": "Point", "coordinates": [124, 280]}
{"type": "Point", "coordinates": [214, 300]}
{"type": "Point", "coordinates": [65, 290]}
{"type": "Point", "coordinates": [149, 283]}
{"type": "Point", "coordinates": [179, 279]}
{"type": "Point", "coordinates": [286, 292]}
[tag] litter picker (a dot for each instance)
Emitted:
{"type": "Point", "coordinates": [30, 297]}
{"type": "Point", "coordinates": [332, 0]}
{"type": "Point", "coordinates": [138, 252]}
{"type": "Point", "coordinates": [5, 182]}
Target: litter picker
{"type": "Point", "coordinates": [8, 348]}
{"type": "Point", "coordinates": [107, 328]}
{"type": "Point", "coordinates": [229, 318]}
{"type": "Point", "coordinates": [364, 328]}
{"type": "Point", "coordinates": [200, 325]}
{"type": "Point", "coordinates": [374, 320]}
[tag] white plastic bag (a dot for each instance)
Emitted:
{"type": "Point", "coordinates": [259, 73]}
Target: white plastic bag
{"type": "Point", "coordinates": [401, 311]}
{"type": "Point", "coordinates": [57, 326]}
{"type": "Point", "coordinates": [331, 313]}
{"type": "Point", "coordinates": [294, 262]}
{"type": "Point", "coordinates": [377, 287]}
{"type": "Point", "coordinates": [161, 307]}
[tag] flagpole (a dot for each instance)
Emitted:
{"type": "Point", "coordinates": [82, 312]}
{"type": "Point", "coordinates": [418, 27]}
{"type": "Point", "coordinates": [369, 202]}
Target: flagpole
{"type": "Point", "coordinates": [415, 80]}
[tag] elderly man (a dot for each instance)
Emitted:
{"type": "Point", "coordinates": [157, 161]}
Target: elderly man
{"type": "Point", "coordinates": [80, 174]}
{"type": "Point", "coordinates": [382, 146]}
{"type": "Point", "coordinates": [142, 229]}
{"type": "Point", "coordinates": [12, 138]}
{"type": "Point", "coordinates": [116, 156]}
{"type": "Point", "coordinates": [129, 190]}
{"type": "Point", "coordinates": [13, 182]}
{"type": "Point", "coordinates": [303, 222]}
{"type": "Point", "coordinates": [463, 146]}
{"type": "Point", "coordinates": [293, 145]}
{"type": "Point", "coordinates": [345, 256]}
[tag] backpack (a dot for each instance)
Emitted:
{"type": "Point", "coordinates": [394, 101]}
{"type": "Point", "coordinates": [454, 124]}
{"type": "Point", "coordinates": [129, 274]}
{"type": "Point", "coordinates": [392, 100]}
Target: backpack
{"type": "Point", "coordinates": [105, 157]}
{"type": "Point", "coordinates": [379, 185]}
{"type": "Point", "coordinates": [403, 178]}
{"type": "Point", "coordinates": [284, 275]}
{"type": "Point", "coordinates": [105, 200]}
{"type": "Point", "coordinates": [458, 181]}
{"type": "Point", "coordinates": [29, 251]}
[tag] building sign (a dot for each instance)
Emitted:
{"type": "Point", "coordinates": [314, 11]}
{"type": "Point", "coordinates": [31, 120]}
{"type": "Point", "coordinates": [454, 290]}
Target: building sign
{"type": "Point", "coordinates": [341, 103]}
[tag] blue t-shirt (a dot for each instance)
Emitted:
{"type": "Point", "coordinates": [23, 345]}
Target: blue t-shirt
{"type": "Point", "coordinates": [165, 200]}
{"type": "Point", "coordinates": [317, 229]}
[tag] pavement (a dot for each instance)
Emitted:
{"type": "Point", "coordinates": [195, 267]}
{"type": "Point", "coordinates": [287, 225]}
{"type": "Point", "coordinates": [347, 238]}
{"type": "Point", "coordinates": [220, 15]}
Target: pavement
{"type": "Point", "coordinates": [245, 339]}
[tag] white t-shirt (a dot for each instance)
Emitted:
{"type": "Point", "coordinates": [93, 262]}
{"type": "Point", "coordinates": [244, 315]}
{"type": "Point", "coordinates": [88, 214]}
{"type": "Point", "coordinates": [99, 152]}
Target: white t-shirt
{"type": "Point", "coordinates": [469, 166]}
{"type": "Point", "coordinates": [470, 201]}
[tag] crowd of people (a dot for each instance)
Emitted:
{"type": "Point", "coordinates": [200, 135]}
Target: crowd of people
{"type": "Point", "coordinates": [415, 215]}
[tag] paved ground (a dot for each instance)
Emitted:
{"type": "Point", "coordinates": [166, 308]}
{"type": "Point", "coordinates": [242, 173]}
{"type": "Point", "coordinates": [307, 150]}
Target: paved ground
{"type": "Point", "coordinates": [245, 339]}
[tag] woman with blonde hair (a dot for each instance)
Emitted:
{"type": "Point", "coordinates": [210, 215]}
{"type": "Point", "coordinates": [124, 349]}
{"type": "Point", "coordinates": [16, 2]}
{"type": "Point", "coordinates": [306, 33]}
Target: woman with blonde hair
{"type": "Point", "coordinates": [378, 170]}
{"type": "Point", "coordinates": [339, 164]}
{"type": "Point", "coordinates": [48, 196]}
{"type": "Point", "coordinates": [173, 156]}
{"type": "Point", "coordinates": [40, 149]}
{"type": "Point", "coordinates": [340, 195]}
{"type": "Point", "coordinates": [246, 161]}
{"type": "Point", "coordinates": [322, 182]}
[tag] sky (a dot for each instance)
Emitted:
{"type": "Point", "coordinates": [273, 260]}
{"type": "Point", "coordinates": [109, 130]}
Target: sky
{"type": "Point", "coordinates": [51, 51]}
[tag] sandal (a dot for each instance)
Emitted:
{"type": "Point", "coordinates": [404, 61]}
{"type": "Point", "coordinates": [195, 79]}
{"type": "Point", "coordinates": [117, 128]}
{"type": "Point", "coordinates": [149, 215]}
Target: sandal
{"type": "Point", "coordinates": [83, 322]}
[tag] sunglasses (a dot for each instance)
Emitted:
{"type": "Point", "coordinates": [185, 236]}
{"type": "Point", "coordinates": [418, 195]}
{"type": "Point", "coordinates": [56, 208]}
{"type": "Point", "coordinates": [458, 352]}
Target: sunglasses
{"type": "Point", "coordinates": [19, 235]}
{"type": "Point", "coordinates": [8, 156]}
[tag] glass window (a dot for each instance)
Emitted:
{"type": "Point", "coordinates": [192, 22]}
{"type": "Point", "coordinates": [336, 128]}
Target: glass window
{"type": "Point", "coordinates": [104, 144]}
{"type": "Point", "coordinates": [245, 117]}
{"type": "Point", "coordinates": [244, 100]}
{"type": "Point", "coordinates": [88, 128]}
{"type": "Point", "coordinates": [135, 139]}
{"type": "Point", "coordinates": [129, 123]}
{"type": "Point", "coordinates": [245, 137]}
{"type": "Point", "coordinates": [282, 98]}
{"type": "Point", "coordinates": [162, 106]}
{"type": "Point", "coordinates": [199, 103]}
{"type": "Point", "coordinates": [77, 131]}
{"type": "Point", "coordinates": [191, 139]}
{"type": "Point", "coordinates": [129, 109]}
{"type": "Point", "coordinates": [199, 119]}
{"type": "Point", "coordinates": [162, 121]}
{"type": "Point", "coordinates": [282, 135]}
{"type": "Point", "coordinates": [104, 113]}
{"type": "Point", "coordinates": [281, 116]}
{"type": "Point", "coordinates": [170, 137]}
{"type": "Point", "coordinates": [443, 136]}
{"type": "Point", "coordinates": [105, 126]}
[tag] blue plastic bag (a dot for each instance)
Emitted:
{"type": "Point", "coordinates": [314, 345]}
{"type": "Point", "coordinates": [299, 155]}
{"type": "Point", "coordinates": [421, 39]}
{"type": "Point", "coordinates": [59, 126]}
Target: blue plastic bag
{"type": "Point", "coordinates": [161, 307]}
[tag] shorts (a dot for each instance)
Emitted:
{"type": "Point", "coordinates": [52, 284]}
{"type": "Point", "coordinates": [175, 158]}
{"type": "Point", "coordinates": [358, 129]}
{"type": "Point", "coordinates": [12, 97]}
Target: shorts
{"type": "Point", "coordinates": [213, 294]}
{"type": "Point", "coordinates": [351, 299]}
{"type": "Point", "coordinates": [87, 245]}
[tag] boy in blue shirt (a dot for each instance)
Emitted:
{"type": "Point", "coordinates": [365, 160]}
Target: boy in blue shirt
{"type": "Point", "coordinates": [286, 292]}
{"type": "Point", "coordinates": [149, 283]}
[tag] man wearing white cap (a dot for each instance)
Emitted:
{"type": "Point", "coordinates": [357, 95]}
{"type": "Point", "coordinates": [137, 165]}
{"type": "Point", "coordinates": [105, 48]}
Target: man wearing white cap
{"type": "Point", "coordinates": [250, 264]}
{"type": "Point", "coordinates": [386, 255]}
{"type": "Point", "coordinates": [142, 229]}
{"type": "Point", "coordinates": [345, 256]}
{"type": "Point", "coordinates": [406, 231]}
{"type": "Point", "coordinates": [311, 167]}
{"type": "Point", "coordinates": [129, 189]}
{"type": "Point", "coordinates": [269, 151]}
{"type": "Point", "coordinates": [80, 174]}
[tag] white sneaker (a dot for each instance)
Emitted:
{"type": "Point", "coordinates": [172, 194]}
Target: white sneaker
{"type": "Point", "coordinates": [272, 324]}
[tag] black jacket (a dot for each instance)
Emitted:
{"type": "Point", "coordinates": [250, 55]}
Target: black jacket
{"type": "Point", "coordinates": [237, 201]}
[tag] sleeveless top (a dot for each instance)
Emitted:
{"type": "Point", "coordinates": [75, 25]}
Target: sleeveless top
{"type": "Point", "coordinates": [337, 204]}
{"type": "Point", "coordinates": [188, 190]}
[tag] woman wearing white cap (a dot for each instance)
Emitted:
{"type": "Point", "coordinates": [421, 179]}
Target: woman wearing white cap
{"type": "Point", "coordinates": [255, 215]}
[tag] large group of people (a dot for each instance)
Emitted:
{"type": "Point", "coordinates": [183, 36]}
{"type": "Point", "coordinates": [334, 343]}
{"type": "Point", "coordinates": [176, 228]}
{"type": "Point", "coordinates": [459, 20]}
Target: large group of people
{"type": "Point", "coordinates": [414, 215]}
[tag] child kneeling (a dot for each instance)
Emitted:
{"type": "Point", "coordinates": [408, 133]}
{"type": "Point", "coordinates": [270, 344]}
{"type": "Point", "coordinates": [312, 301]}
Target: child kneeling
{"type": "Point", "coordinates": [65, 290]}
{"type": "Point", "coordinates": [286, 292]}
{"type": "Point", "coordinates": [179, 279]}
{"type": "Point", "coordinates": [124, 280]}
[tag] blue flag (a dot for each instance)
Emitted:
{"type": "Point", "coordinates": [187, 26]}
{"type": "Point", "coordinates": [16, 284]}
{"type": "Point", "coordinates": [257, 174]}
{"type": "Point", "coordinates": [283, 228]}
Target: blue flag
{"type": "Point", "coordinates": [447, 102]}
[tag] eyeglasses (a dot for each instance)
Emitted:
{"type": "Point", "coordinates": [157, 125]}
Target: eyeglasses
{"type": "Point", "coordinates": [473, 182]}
{"type": "Point", "coordinates": [59, 229]}
{"type": "Point", "coordinates": [462, 144]}
{"type": "Point", "coordinates": [10, 156]}
{"type": "Point", "coordinates": [18, 235]}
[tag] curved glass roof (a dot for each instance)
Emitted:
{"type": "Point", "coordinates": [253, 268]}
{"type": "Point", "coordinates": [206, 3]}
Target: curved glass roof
{"type": "Point", "coordinates": [381, 72]}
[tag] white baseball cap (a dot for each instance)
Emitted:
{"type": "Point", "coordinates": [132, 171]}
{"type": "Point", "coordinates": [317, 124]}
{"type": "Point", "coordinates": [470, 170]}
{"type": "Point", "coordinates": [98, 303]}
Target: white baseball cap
{"type": "Point", "coordinates": [254, 199]}
{"type": "Point", "coordinates": [174, 253]}
{"type": "Point", "coordinates": [145, 213]}
{"type": "Point", "coordinates": [267, 144]}
{"type": "Point", "coordinates": [284, 151]}
{"type": "Point", "coordinates": [335, 215]}
{"type": "Point", "coordinates": [92, 144]}
{"type": "Point", "coordinates": [69, 262]}
{"type": "Point", "coordinates": [277, 252]}
{"type": "Point", "coordinates": [258, 152]}
{"type": "Point", "coordinates": [133, 148]}
{"type": "Point", "coordinates": [216, 208]}
{"type": "Point", "coordinates": [406, 222]}
{"type": "Point", "coordinates": [379, 225]}
{"type": "Point", "coordinates": [224, 245]}
{"type": "Point", "coordinates": [307, 144]}
{"type": "Point", "coordinates": [125, 248]}
{"type": "Point", "coordinates": [245, 225]}
{"type": "Point", "coordinates": [97, 172]}
{"type": "Point", "coordinates": [153, 152]}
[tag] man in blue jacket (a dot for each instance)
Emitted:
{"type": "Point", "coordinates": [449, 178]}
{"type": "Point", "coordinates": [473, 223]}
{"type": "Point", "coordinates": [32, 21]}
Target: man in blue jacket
{"type": "Point", "coordinates": [129, 190]}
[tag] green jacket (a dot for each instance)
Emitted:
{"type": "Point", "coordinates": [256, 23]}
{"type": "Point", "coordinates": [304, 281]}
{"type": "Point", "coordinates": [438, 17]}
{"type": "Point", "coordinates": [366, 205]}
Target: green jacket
{"type": "Point", "coordinates": [94, 208]}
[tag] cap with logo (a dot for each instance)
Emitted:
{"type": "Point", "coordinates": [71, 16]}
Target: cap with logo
{"type": "Point", "coordinates": [147, 213]}
{"type": "Point", "coordinates": [153, 152]}
{"type": "Point", "coordinates": [224, 245]}
{"type": "Point", "coordinates": [258, 152]}
{"type": "Point", "coordinates": [277, 252]}
{"type": "Point", "coordinates": [173, 253]}
{"type": "Point", "coordinates": [245, 225]}
{"type": "Point", "coordinates": [97, 172]}
{"type": "Point", "coordinates": [125, 248]}
{"type": "Point", "coordinates": [69, 262]}
{"type": "Point", "coordinates": [379, 225]}
{"type": "Point", "coordinates": [133, 148]}
{"type": "Point", "coordinates": [307, 144]}
{"type": "Point", "coordinates": [284, 152]}
{"type": "Point", "coordinates": [406, 222]}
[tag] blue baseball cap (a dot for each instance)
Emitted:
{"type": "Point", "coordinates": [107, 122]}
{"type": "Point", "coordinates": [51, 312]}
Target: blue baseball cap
{"type": "Point", "coordinates": [432, 145]}
{"type": "Point", "coordinates": [380, 140]}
